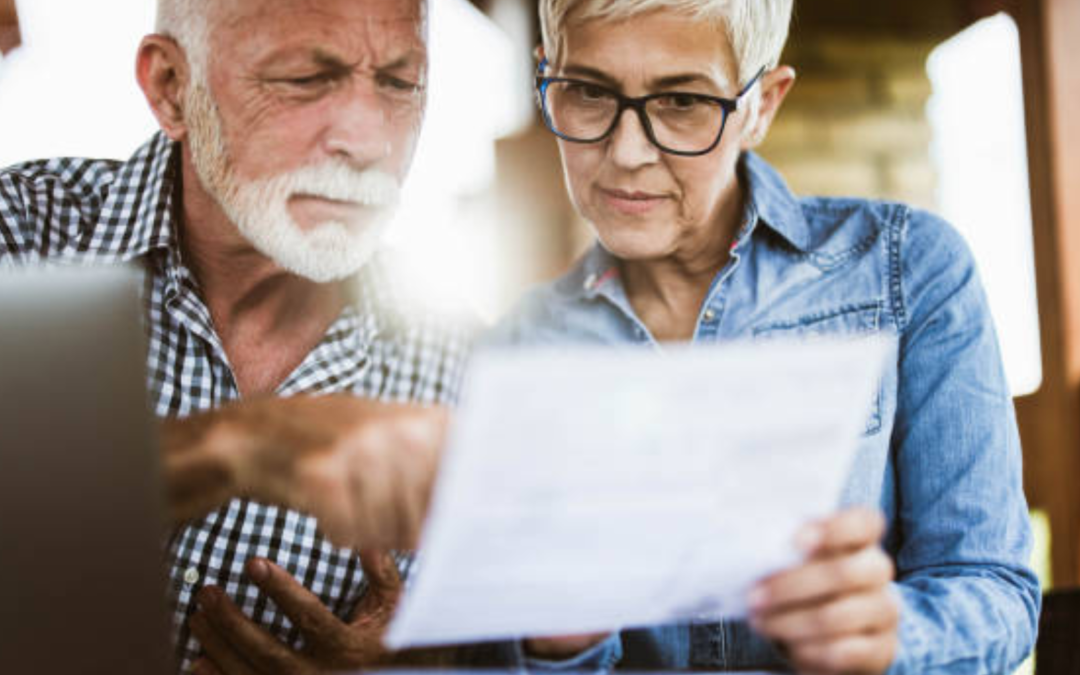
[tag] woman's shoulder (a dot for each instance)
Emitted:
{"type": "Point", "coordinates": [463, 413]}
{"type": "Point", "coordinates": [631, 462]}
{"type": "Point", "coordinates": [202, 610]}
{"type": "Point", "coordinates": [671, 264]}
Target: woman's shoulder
{"type": "Point", "coordinates": [540, 315]}
{"type": "Point", "coordinates": [904, 226]}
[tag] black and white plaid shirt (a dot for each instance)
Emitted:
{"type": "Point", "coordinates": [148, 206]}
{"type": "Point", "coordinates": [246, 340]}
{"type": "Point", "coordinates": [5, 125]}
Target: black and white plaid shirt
{"type": "Point", "coordinates": [386, 346]}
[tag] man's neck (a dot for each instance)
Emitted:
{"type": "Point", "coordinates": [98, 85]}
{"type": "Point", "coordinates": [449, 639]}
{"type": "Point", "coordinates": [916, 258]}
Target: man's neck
{"type": "Point", "coordinates": [268, 319]}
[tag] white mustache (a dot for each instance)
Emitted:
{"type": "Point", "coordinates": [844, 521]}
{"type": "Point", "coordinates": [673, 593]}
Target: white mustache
{"type": "Point", "coordinates": [370, 187]}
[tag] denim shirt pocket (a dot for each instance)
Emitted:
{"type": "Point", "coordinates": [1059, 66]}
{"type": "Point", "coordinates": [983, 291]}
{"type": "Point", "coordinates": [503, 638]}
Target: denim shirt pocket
{"type": "Point", "coordinates": [860, 319]}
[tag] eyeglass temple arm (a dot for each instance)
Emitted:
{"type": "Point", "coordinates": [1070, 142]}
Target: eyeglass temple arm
{"type": "Point", "coordinates": [752, 82]}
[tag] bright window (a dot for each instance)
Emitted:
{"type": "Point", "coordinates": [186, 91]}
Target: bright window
{"type": "Point", "coordinates": [980, 152]}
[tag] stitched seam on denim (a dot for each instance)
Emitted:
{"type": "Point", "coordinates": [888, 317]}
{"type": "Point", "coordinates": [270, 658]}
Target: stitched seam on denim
{"type": "Point", "coordinates": [897, 228]}
{"type": "Point", "coordinates": [829, 262]}
{"type": "Point", "coordinates": [817, 317]}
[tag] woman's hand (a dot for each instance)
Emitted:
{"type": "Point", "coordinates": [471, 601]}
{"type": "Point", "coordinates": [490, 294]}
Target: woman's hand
{"type": "Point", "coordinates": [836, 612]}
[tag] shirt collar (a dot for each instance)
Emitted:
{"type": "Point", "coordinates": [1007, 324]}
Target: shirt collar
{"type": "Point", "coordinates": [139, 212]}
{"type": "Point", "coordinates": [770, 202]}
{"type": "Point", "coordinates": [592, 274]}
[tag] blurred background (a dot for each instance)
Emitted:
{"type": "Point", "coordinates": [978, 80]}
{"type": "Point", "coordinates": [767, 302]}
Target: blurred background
{"type": "Point", "coordinates": [968, 108]}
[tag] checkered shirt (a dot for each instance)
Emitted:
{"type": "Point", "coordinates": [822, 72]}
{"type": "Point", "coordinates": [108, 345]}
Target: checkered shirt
{"type": "Point", "coordinates": [386, 345]}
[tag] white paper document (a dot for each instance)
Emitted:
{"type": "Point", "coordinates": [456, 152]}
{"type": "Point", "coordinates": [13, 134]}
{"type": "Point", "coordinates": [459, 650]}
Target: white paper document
{"type": "Point", "coordinates": [588, 489]}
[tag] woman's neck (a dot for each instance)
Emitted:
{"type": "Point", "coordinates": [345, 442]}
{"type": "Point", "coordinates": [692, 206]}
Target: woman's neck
{"type": "Point", "coordinates": [667, 293]}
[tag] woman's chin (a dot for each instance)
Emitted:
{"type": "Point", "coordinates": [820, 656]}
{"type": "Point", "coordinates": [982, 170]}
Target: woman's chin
{"type": "Point", "coordinates": [633, 246]}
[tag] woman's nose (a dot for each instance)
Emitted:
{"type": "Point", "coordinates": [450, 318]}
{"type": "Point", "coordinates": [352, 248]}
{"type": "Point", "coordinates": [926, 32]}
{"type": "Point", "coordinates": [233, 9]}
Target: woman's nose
{"type": "Point", "coordinates": [629, 144]}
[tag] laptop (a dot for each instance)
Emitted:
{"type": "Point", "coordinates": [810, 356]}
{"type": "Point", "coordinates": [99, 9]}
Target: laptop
{"type": "Point", "coordinates": [82, 583]}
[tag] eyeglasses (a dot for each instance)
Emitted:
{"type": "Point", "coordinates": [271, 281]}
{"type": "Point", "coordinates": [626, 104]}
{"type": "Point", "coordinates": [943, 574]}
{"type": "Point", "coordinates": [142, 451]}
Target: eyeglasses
{"type": "Point", "coordinates": [680, 123]}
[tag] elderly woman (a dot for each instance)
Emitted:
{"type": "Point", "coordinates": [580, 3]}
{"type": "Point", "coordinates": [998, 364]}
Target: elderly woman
{"type": "Point", "coordinates": [657, 105]}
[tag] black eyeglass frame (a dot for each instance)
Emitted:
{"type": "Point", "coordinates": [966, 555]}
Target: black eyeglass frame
{"type": "Point", "coordinates": [728, 106]}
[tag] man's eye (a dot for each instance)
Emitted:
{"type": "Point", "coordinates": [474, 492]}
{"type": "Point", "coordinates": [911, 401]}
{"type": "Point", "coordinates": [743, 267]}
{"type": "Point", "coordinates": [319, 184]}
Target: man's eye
{"type": "Point", "coordinates": [316, 80]}
{"type": "Point", "coordinates": [397, 84]}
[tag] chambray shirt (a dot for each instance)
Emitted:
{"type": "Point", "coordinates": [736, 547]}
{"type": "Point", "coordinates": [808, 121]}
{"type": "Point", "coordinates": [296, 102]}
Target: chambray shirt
{"type": "Point", "coordinates": [940, 454]}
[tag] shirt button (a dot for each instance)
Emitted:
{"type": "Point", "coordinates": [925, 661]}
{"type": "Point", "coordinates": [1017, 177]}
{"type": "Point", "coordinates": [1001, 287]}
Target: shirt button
{"type": "Point", "coordinates": [709, 316]}
{"type": "Point", "coordinates": [191, 576]}
{"type": "Point", "coordinates": [590, 281]}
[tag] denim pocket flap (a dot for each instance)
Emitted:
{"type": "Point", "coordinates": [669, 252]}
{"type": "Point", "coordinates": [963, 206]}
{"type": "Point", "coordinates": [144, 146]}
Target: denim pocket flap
{"type": "Point", "coordinates": [849, 320]}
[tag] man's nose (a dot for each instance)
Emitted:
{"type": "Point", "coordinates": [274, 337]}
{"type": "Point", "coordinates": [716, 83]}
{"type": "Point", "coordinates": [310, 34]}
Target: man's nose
{"type": "Point", "coordinates": [630, 146]}
{"type": "Point", "coordinates": [359, 129]}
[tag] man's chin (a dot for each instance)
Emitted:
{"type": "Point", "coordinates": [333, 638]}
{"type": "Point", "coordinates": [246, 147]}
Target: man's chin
{"type": "Point", "coordinates": [329, 253]}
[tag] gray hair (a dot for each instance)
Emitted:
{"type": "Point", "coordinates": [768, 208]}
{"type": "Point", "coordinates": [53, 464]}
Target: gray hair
{"type": "Point", "coordinates": [757, 29]}
{"type": "Point", "coordinates": [186, 21]}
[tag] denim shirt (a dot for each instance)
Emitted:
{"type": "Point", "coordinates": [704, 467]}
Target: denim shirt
{"type": "Point", "coordinates": [940, 454]}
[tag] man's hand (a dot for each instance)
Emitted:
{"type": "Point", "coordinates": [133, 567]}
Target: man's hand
{"type": "Point", "coordinates": [835, 613]}
{"type": "Point", "coordinates": [235, 645]}
{"type": "Point", "coordinates": [364, 469]}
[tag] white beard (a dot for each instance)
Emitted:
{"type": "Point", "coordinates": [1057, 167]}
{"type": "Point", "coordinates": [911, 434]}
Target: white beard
{"type": "Point", "coordinates": [328, 251]}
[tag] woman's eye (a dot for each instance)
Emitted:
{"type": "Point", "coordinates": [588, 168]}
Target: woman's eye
{"type": "Point", "coordinates": [589, 92]}
{"type": "Point", "coordinates": [679, 102]}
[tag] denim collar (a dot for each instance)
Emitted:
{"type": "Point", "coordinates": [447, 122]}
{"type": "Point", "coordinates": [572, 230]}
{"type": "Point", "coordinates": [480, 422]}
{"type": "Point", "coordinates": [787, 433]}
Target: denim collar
{"type": "Point", "coordinates": [770, 202]}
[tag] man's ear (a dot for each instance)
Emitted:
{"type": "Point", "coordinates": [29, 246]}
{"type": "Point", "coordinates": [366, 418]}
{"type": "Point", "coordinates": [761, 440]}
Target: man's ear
{"type": "Point", "coordinates": [163, 73]}
{"type": "Point", "coordinates": [775, 86]}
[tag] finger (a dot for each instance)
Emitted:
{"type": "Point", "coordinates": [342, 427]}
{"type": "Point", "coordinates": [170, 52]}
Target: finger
{"type": "Point", "coordinates": [822, 579]}
{"type": "Point", "coordinates": [854, 654]}
{"type": "Point", "coordinates": [384, 587]}
{"type": "Point", "coordinates": [849, 530]}
{"type": "Point", "coordinates": [254, 644]}
{"type": "Point", "coordinates": [220, 656]}
{"type": "Point", "coordinates": [848, 615]}
{"type": "Point", "coordinates": [306, 611]}
{"type": "Point", "coordinates": [381, 571]}
{"type": "Point", "coordinates": [194, 486]}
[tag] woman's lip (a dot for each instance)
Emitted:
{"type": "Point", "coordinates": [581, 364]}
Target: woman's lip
{"type": "Point", "coordinates": [631, 203]}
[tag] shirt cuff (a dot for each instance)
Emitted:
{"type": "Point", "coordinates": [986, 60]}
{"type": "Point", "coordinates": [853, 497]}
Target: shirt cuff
{"type": "Point", "coordinates": [600, 657]}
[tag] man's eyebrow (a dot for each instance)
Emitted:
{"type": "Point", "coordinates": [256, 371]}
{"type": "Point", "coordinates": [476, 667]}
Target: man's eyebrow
{"type": "Point", "coordinates": [407, 59]}
{"type": "Point", "coordinates": [335, 63]}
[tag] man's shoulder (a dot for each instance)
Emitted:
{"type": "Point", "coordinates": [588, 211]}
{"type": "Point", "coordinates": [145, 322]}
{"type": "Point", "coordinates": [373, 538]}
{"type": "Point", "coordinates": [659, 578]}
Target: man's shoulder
{"type": "Point", "coordinates": [42, 200]}
{"type": "Point", "coordinates": [71, 208]}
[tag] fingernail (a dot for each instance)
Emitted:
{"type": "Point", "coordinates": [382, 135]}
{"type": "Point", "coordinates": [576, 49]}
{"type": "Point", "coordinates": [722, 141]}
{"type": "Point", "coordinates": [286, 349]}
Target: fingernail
{"type": "Point", "coordinates": [809, 538]}
{"type": "Point", "coordinates": [209, 597]}
{"type": "Point", "coordinates": [258, 570]}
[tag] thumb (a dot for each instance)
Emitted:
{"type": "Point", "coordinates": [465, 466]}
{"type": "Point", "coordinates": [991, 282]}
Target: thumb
{"type": "Point", "coordinates": [384, 584]}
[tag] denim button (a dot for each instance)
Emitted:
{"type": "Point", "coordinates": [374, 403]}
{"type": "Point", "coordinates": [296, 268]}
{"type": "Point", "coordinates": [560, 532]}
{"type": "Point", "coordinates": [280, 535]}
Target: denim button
{"type": "Point", "coordinates": [710, 316]}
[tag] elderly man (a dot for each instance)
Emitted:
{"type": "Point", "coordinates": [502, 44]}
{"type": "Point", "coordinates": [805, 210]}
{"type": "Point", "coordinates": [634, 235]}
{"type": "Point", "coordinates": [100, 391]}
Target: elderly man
{"type": "Point", "coordinates": [286, 129]}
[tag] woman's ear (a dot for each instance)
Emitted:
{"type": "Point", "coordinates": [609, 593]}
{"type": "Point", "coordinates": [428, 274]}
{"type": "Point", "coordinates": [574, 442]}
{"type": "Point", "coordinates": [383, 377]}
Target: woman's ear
{"type": "Point", "coordinates": [539, 55]}
{"type": "Point", "coordinates": [775, 86]}
{"type": "Point", "coordinates": [162, 70]}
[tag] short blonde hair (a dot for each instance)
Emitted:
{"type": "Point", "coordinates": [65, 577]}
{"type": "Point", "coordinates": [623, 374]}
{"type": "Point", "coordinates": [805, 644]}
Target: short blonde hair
{"type": "Point", "coordinates": [757, 29]}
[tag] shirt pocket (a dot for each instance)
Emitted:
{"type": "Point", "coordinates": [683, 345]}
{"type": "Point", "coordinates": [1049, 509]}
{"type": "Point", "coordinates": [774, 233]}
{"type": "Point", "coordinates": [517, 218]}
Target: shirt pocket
{"type": "Point", "coordinates": [846, 321]}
